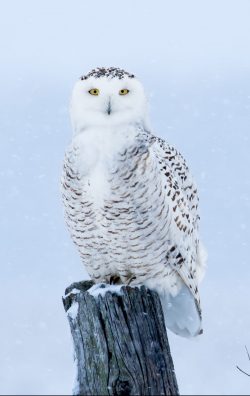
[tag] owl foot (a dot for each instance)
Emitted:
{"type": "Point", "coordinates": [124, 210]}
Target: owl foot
{"type": "Point", "coordinates": [115, 280]}
{"type": "Point", "coordinates": [131, 280]}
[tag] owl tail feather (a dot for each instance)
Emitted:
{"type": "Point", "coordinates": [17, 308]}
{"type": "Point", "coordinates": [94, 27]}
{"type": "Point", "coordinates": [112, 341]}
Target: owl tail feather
{"type": "Point", "coordinates": [182, 315]}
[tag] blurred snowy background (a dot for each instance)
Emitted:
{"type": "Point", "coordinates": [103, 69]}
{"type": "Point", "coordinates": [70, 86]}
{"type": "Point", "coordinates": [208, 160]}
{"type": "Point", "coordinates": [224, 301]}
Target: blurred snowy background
{"type": "Point", "coordinates": [194, 59]}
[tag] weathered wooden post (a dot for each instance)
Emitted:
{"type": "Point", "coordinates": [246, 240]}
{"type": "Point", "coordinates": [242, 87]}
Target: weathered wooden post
{"type": "Point", "coordinates": [120, 342]}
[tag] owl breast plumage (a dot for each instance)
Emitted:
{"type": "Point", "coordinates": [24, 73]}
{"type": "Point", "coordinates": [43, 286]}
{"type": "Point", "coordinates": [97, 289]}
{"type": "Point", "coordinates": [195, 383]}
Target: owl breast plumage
{"type": "Point", "coordinates": [131, 207]}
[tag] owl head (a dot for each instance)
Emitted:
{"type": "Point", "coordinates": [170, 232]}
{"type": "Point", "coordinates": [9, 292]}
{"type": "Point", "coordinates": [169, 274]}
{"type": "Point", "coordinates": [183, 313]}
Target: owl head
{"type": "Point", "coordinates": [107, 97]}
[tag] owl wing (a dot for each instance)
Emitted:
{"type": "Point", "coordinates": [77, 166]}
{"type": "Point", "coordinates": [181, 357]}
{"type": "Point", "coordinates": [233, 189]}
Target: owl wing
{"type": "Point", "coordinates": [181, 173]}
{"type": "Point", "coordinates": [182, 198]}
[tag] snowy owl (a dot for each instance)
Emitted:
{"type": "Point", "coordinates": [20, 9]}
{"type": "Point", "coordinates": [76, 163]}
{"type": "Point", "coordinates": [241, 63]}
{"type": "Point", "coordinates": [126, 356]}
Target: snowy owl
{"type": "Point", "coordinates": [130, 202]}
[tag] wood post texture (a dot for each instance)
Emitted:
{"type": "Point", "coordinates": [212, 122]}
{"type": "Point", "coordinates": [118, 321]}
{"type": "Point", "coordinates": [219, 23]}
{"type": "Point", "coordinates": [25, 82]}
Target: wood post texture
{"type": "Point", "coordinates": [120, 342]}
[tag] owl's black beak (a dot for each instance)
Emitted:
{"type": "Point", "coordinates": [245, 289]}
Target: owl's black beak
{"type": "Point", "coordinates": [109, 107]}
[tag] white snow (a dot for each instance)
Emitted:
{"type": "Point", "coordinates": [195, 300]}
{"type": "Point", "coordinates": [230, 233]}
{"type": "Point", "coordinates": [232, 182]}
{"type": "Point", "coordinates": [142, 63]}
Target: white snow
{"type": "Point", "coordinates": [73, 291]}
{"type": "Point", "coordinates": [73, 310]}
{"type": "Point", "coordinates": [102, 288]}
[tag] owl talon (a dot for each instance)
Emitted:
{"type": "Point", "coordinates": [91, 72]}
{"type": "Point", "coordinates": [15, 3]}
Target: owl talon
{"type": "Point", "coordinates": [130, 280]}
{"type": "Point", "coordinates": [115, 280]}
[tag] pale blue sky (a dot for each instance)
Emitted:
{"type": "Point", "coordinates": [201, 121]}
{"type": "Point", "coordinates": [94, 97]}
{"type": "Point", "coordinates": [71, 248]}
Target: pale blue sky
{"type": "Point", "coordinates": [47, 37]}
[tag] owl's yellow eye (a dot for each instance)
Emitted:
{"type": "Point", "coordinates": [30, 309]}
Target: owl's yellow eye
{"type": "Point", "coordinates": [123, 92]}
{"type": "Point", "coordinates": [94, 91]}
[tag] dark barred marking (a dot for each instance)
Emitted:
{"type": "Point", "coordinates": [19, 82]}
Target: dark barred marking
{"type": "Point", "coordinates": [110, 72]}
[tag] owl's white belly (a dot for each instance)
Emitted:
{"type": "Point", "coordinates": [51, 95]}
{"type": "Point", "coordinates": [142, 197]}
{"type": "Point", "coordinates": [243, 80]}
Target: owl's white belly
{"type": "Point", "coordinates": [118, 217]}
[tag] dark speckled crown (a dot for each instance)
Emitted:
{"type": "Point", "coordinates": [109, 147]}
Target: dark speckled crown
{"type": "Point", "coordinates": [111, 72]}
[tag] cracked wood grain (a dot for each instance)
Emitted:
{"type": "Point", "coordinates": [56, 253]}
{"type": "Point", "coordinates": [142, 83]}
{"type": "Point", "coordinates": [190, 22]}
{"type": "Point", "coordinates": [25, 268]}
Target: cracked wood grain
{"type": "Point", "coordinates": [120, 343]}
